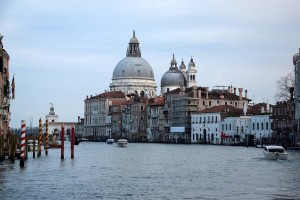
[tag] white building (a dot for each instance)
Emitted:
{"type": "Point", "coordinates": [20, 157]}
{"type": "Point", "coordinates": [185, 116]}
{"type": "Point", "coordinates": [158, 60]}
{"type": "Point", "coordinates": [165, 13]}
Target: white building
{"type": "Point", "coordinates": [206, 128]}
{"type": "Point", "coordinates": [230, 127]}
{"type": "Point", "coordinates": [55, 127]}
{"type": "Point", "coordinates": [261, 128]}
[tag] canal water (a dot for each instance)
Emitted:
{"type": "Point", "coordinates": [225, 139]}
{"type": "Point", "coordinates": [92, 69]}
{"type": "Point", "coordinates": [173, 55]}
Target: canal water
{"type": "Point", "coordinates": [152, 171]}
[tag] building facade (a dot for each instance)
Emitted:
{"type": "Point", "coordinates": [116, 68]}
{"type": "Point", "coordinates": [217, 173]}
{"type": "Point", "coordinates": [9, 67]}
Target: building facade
{"type": "Point", "coordinates": [5, 93]}
{"type": "Point", "coordinates": [182, 102]}
{"type": "Point", "coordinates": [96, 110]}
{"type": "Point", "coordinates": [296, 62]}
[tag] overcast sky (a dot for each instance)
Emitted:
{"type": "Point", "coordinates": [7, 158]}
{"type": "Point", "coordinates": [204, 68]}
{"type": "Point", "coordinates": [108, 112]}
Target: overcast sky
{"type": "Point", "coordinates": [63, 50]}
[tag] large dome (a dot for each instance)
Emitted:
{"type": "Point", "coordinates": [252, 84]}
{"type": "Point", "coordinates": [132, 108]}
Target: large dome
{"type": "Point", "coordinates": [133, 68]}
{"type": "Point", "coordinates": [133, 74]}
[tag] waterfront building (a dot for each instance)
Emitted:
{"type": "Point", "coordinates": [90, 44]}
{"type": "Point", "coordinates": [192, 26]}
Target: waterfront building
{"type": "Point", "coordinates": [208, 124]}
{"type": "Point", "coordinates": [114, 118]}
{"type": "Point", "coordinates": [296, 62]}
{"type": "Point", "coordinates": [231, 126]}
{"type": "Point", "coordinates": [134, 118]}
{"type": "Point", "coordinates": [54, 126]}
{"type": "Point", "coordinates": [155, 127]}
{"type": "Point", "coordinates": [133, 74]}
{"type": "Point", "coordinates": [182, 102]}
{"type": "Point", "coordinates": [283, 125]}
{"type": "Point", "coordinates": [206, 128]}
{"type": "Point", "coordinates": [5, 114]}
{"type": "Point", "coordinates": [79, 128]}
{"type": "Point", "coordinates": [96, 109]}
{"type": "Point", "coordinates": [261, 128]}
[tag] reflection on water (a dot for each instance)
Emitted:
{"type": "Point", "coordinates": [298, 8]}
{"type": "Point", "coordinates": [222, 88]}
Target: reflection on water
{"type": "Point", "coordinates": [152, 171]}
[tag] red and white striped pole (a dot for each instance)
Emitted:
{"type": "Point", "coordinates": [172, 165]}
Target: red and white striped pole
{"type": "Point", "coordinates": [23, 137]}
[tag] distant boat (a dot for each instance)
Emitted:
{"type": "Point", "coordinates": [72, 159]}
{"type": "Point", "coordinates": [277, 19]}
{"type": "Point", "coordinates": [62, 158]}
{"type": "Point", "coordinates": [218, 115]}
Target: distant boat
{"type": "Point", "coordinates": [274, 152]}
{"type": "Point", "coordinates": [55, 144]}
{"type": "Point", "coordinates": [122, 143]}
{"type": "Point", "coordinates": [110, 141]}
{"type": "Point", "coordinates": [31, 143]}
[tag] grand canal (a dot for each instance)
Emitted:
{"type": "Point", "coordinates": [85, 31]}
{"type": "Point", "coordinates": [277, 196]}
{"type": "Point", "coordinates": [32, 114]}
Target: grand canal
{"type": "Point", "coordinates": [152, 171]}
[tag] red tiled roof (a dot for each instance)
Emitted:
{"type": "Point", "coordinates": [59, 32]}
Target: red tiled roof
{"type": "Point", "coordinates": [157, 101]}
{"type": "Point", "coordinates": [116, 102]}
{"type": "Point", "coordinates": [115, 94]}
{"type": "Point", "coordinates": [223, 108]}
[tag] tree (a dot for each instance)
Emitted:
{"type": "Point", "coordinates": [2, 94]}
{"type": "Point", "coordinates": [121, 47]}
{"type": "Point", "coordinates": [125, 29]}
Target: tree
{"type": "Point", "coordinates": [283, 87]}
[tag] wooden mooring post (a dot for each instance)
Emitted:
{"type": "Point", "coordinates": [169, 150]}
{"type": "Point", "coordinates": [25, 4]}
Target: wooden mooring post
{"type": "Point", "coordinates": [46, 138]}
{"type": "Point", "coordinates": [72, 141]}
{"type": "Point", "coordinates": [40, 138]}
{"type": "Point", "coordinates": [62, 137]}
{"type": "Point", "coordinates": [33, 148]}
{"type": "Point", "coordinates": [2, 155]}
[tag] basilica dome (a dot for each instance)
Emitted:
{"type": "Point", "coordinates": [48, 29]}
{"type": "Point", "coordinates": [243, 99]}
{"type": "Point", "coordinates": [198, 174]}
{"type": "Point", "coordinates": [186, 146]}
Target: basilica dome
{"type": "Point", "coordinates": [133, 74]}
{"type": "Point", "coordinates": [133, 67]}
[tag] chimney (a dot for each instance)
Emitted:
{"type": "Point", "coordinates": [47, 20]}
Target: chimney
{"type": "Point", "coordinates": [234, 90]}
{"type": "Point", "coordinates": [194, 91]}
{"type": "Point", "coordinates": [240, 93]}
{"type": "Point", "coordinates": [206, 91]}
{"type": "Point", "coordinates": [199, 93]}
{"type": "Point", "coordinates": [78, 119]}
{"type": "Point", "coordinates": [246, 94]}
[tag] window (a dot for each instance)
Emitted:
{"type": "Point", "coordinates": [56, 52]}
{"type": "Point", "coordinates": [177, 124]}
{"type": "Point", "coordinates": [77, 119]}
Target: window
{"type": "Point", "coordinates": [267, 126]}
{"type": "Point", "coordinates": [253, 126]}
{"type": "Point", "coordinates": [257, 126]}
{"type": "Point", "coordinates": [262, 126]}
{"type": "Point", "coordinates": [142, 108]}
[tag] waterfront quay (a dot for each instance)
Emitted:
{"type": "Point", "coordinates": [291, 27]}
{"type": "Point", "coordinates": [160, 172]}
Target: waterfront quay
{"type": "Point", "coordinates": [152, 171]}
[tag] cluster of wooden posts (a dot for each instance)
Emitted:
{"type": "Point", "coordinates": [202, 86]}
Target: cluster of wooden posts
{"type": "Point", "coordinates": [10, 146]}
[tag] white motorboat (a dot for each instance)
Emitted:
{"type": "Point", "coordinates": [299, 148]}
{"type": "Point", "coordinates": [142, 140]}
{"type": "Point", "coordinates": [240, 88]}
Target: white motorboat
{"type": "Point", "coordinates": [122, 143]}
{"type": "Point", "coordinates": [110, 141]}
{"type": "Point", "coordinates": [274, 152]}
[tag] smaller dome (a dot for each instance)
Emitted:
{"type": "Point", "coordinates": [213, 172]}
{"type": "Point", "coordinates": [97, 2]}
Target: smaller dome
{"type": "Point", "coordinates": [173, 61]}
{"type": "Point", "coordinates": [182, 65]}
{"type": "Point", "coordinates": [173, 77]}
{"type": "Point", "coordinates": [191, 64]}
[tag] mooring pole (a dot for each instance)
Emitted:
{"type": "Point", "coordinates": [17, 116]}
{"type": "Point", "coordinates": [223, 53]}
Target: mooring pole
{"type": "Point", "coordinates": [33, 148]}
{"type": "Point", "coordinates": [46, 138]}
{"type": "Point", "coordinates": [1, 147]}
{"type": "Point", "coordinates": [72, 141]}
{"type": "Point", "coordinates": [62, 136]}
{"type": "Point", "coordinates": [40, 138]}
{"type": "Point", "coordinates": [23, 136]}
